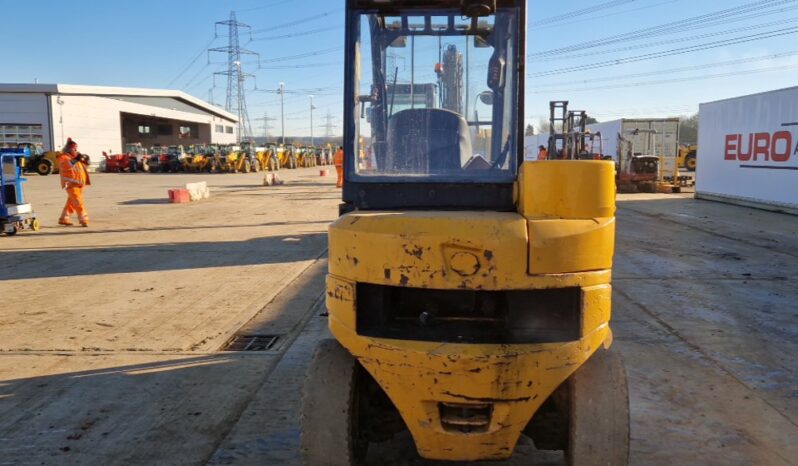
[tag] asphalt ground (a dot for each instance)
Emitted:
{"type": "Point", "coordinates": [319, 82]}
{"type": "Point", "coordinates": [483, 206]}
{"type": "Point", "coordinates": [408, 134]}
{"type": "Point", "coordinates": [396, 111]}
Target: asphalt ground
{"type": "Point", "coordinates": [112, 338]}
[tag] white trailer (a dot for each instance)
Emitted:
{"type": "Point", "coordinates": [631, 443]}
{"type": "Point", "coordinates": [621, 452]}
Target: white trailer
{"type": "Point", "coordinates": [748, 150]}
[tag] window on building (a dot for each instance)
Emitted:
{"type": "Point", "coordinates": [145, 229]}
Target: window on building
{"type": "Point", "coordinates": [12, 134]}
{"type": "Point", "coordinates": [189, 132]}
{"type": "Point", "coordinates": [164, 130]}
{"type": "Point", "coordinates": [144, 130]}
{"type": "Point", "coordinates": [220, 128]}
{"type": "Point", "coordinates": [229, 129]}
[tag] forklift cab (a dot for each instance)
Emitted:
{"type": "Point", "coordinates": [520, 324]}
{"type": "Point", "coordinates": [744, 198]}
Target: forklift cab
{"type": "Point", "coordinates": [460, 151]}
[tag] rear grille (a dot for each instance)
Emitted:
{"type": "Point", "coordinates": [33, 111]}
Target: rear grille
{"type": "Point", "coordinates": [465, 418]}
{"type": "Point", "coordinates": [468, 316]}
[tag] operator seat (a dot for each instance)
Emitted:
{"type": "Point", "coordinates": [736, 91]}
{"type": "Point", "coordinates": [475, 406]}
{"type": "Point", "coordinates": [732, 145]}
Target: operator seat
{"type": "Point", "coordinates": [427, 140]}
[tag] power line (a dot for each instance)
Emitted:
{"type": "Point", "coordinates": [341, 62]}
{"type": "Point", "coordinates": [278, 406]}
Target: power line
{"type": "Point", "coordinates": [580, 12]}
{"type": "Point", "coordinates": [675, 80]}
{"type": "Point", "coordinates": [298, 34]}
{"type": "Point", "coordinates": [703, 66]}
{"type": "Point", "coordinates": [192, 62]}
{"type": "Point", "coordinates": [595, 18]}
{"type": "Point", "coordinates": [303, 55]}
{"type": "Point", "coordinates": [668, 53]}
{"type": "Point", "coordinates": [298, 21]}
{"type": "Point", "coordinates": [706, 20]}
{"type": "Point", "coordinates": [724, 32]}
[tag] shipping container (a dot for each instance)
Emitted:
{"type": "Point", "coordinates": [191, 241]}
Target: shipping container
{"type": "Point", "coordinates": [748, 150]}
{"type": "Point", "coordinates": [666, 140]}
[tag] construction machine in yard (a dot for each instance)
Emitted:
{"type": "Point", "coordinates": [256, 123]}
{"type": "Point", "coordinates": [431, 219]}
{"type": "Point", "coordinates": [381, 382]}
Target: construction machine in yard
{"type": "Point", "coordinates": [289, 156]}
{"type": "Point", "coordinates": [306, 157]}
{"type": "Point", "coordinates": [134, 158]}
{"type": "Point", "coordinates": [269, 158]}
{"type": "Point", "coordinates": [158, 161]}
{"type": "Point", "coordinates": [42, 162]}
{"type": "Point", "coordinates": [468, 292]}
{"type": "Point", "coordinates": [688, 157]}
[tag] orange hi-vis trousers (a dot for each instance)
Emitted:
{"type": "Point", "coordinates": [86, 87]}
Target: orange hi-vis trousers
{"type": "Point", "coordinates": [74, 204]}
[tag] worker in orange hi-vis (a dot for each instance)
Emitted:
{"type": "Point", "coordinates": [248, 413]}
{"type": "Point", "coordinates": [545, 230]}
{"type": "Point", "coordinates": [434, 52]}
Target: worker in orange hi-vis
{"type": "Point", "coordinates": [74, 177]}
{"type": "Point", "coordinates": [339, 166]}
{"type": "Point", "coordinates": [543, 153]}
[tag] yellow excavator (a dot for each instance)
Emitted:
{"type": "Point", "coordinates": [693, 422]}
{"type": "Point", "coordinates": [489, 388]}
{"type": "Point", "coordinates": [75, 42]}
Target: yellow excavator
{"type": "Point", "coordinates": [468, 291]}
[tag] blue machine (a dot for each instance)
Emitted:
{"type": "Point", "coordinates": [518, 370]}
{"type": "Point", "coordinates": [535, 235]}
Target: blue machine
{"type": "Point", "coordinates": [15, 213]}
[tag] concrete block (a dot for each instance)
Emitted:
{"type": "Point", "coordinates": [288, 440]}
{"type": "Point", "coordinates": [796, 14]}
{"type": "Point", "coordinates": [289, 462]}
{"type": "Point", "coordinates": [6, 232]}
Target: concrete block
{"type": "Point", "coordinates": [197, 190]}
{"type": "Point", "coordinates": [271, 179]}
{"type": "Point", "coordinates": [179, 196]}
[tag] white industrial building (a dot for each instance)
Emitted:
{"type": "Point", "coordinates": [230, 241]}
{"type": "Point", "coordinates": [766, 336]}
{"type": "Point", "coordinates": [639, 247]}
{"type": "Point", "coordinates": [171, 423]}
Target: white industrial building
{"type": "Point", "coordinates": [106, 118]}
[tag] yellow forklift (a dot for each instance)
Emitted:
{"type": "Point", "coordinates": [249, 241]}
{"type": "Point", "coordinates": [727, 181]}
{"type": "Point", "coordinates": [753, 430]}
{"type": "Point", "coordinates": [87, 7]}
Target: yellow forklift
{"type": "Point", "coordinates": [468, 291]}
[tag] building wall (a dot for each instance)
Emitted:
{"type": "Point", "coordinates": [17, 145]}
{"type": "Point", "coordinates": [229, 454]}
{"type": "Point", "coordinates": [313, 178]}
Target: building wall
{"type": "Point", "coordinates": [135, 127]}
{"type": "Point", "coordinates": [95, 121]}
{"type": "Point", "coordinates": [26, 110]}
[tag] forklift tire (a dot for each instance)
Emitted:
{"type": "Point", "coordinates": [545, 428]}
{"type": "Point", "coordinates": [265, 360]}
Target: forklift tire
{"type": "Point", "coordinates": [13, 231]}
{"type": "Point", "coordinates": [44, 167]}
{"type": "Point", "coordinates": [247, 167]}
{"type": "Point", "coordinates": [329, 410]}
{"type": "Point", "coordinates": [292, 163]}
{"type": "Point", "coordinates": [599, 412]}
{"type": "Point", "coordinates": [274, 165]}
{"type": "Point", "coordinates": [690, 162]}
{"type": "Point", "coordinates": [256, 166]}
{"type": "Point", "coordinates": [35, 225]}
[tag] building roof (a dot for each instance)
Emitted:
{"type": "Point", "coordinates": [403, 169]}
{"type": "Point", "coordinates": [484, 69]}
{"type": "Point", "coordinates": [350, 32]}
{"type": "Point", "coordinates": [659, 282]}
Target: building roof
{"type": "Point", "coordinates": [155, 97]}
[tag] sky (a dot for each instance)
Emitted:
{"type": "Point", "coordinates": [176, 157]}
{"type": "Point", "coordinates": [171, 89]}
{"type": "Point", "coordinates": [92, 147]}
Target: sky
{"type": "Point", "coordinates": [613, 58]}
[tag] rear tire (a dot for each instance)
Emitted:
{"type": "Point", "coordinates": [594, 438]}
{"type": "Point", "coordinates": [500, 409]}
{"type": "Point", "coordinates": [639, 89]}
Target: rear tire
{"type": "Point", "coordinates": [599, 413]}
{"type": "Point", "coordinates": [329, 413]}
{"type": "Point", "coordinates": [133, 166]}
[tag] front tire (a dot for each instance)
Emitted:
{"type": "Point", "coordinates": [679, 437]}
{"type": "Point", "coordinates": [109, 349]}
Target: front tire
{"type": "Point", "coordinates": [329, 413]}
{"type": "Point", "coordinates": [690, 162]}
{"type": "Point", "coordinates": [598, 431]}
{"type": "Point", "coordinates": [44, 167]}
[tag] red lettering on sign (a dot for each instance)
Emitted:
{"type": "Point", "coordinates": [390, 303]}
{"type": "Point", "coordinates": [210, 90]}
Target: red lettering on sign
{"type": "Point", "coordinates": [746, 154]}
{"type": "Point", "coordinates": [732, 142]}
{"type": "Point", "coordinates": [781, 154]}
{"type": "Point", "coordinates": [760, 147]}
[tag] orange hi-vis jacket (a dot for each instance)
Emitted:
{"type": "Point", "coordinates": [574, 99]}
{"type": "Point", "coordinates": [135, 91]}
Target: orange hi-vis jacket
{"type": "Point", "coordinates": [73, 173]}
{"type": "Point", "coordinates": [339, 158]}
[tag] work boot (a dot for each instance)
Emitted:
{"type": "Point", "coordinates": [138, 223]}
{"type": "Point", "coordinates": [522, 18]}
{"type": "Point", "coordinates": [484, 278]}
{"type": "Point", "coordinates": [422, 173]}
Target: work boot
{"type": "Point", "coordinates": [65, 222]}
{"type": "Point", "coordinates": [84, 222]}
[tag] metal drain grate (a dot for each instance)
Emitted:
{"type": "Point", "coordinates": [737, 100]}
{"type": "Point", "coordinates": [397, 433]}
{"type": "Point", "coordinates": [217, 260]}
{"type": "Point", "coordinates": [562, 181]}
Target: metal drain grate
{"type": "Point", "coordinates": [251, 343]}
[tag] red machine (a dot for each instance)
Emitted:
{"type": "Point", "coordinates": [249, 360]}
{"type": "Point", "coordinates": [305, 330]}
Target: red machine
{"type": "Point", "coordinates": [119, 163]}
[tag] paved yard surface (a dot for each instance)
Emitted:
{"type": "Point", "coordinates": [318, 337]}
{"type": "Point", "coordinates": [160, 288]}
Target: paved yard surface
{"type": "Point", "coordinates": [111, 337]}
